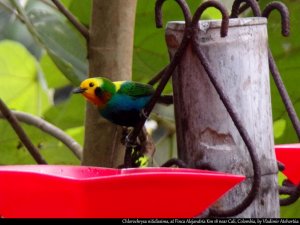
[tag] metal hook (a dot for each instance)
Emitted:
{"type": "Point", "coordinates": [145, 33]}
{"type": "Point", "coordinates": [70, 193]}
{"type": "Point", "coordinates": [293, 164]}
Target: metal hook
{"type": "Point", "coordinates": [273, 68]}
{"type": "Point", "coordinates": [220, 7]}
{"type": "Point", "coordinates": [166, 73]}
{"type": "Point", "coordinates": [290, 189]}
{"type": "Point", "coordinates": [183, 5]}
{"type": "Point", "coordinates": [175, 162]}
{"type": "Point", "coordinates": [284, 13]}
{"type": "Point", "coordinates": [236, 120]}
{"type": "Point", "coordinates": [158, 21]}
{"type": "Point", "coordinates": [236, 8]}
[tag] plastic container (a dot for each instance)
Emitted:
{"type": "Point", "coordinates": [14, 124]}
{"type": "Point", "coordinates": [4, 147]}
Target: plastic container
{"type": "Point", "coordinates": [44, 191]}
{"type": "Point", "coordinates": [289, 155]}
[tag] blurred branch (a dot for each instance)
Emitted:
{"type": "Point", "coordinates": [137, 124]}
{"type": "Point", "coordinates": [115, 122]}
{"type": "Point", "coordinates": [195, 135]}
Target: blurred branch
{"type": "Point", "coordinates": [49, 129]}
{"type": "Point", "coordinates": [11, 10]}
{"type": "Point", "coordinates": [20, 11]}
{"type": "Point", "coordinates": [21, 134]}
{"type": "Point", "coordinates": [82, 29]}
{"type": "Point", "coordinates": [46, 2]}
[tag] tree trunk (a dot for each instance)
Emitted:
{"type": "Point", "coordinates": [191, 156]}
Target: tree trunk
{"type": "Point", "coordinates": [110, 55]}
{"type": "Point", "coordinates": [205, 131]}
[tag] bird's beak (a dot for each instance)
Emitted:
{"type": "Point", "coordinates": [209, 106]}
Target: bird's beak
{"type": "Point", "coordinates": [79, 90]}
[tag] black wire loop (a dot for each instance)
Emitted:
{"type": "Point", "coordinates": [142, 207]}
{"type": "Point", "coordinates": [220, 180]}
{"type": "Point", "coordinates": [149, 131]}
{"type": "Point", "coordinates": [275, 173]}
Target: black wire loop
{"type": "Point", "coordinates": [235, 11]}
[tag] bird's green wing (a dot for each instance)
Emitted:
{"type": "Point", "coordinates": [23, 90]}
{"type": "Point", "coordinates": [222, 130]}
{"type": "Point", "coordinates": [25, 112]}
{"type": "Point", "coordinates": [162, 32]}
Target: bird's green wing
{"type": "Point", "coordinates": [132, 88]}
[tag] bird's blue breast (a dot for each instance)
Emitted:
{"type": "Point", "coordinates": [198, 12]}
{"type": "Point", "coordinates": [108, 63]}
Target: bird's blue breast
{"type": "Point", "coordinates": [125, 102]}
{"type": "Point", "coordinates": [124, 110]}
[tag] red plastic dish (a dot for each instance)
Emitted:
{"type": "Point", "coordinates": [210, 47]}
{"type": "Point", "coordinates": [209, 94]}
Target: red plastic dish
{"type": "Point", "coordinates": [44, 191]}
{"type": "Point", "coordinates": [289, 155]}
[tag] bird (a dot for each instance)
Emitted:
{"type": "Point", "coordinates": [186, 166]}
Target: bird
{"type": "Point", "coordinates": [120, 102]}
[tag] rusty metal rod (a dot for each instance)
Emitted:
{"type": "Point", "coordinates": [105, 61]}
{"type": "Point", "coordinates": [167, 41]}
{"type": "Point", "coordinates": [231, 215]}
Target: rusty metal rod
{"type": "Point", "coordinates": [292, 191]}
{"type": "Point", "coordinates": [235, 11]}
{"type": "Point", "coordinates": [233, 114]}
{"type": "Point", "coordinates": [158, 11]}
{"type": "Point", "coordinates": [131, 138]}
{"type": "Point", "coordinates": [285, 28]}
{"type": "Point", "coordinates": [175, 162]}
{"type": "Point", "coordinates": [244, 7]}
{"type": "Point", "coordinates": [284, 13]}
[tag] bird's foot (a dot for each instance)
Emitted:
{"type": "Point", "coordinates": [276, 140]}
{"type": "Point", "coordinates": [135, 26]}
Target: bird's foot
{"type": "Point", "coordinates": [129, 143]}
{"type": "Point", "coordinates": [125, 132]}
{"type": "Point", "coordinates": [143, 114]}
{"type": "Point", "coordinates": [281, 166]}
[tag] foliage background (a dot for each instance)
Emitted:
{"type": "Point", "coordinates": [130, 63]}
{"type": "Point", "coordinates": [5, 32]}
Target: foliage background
{"type": "Point", "coordinates": [42, 57]}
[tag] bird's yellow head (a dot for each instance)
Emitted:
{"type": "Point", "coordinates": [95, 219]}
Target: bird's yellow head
{"type": "Point", "coordinates": [88, 89]}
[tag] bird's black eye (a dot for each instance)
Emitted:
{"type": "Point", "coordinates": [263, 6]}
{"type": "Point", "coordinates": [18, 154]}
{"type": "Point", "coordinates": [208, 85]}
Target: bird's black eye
{"type": "Point", "coordinates": [91, 84]}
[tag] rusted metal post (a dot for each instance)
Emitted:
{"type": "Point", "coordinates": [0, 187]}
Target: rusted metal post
{"type": "Point", "coordinates": [206, 134]}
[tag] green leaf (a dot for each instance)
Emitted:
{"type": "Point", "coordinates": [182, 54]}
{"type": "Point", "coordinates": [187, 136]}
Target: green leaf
{"type": "Point", "coordinates": [279, 127]}
{"type": "Point", "coordinates": [53, 75]}
{"type": "Point", "coordinates": [82, 10]}
{"type": "Point", "coordinates": [56, 153]}
{"type": "Point", "coordinates": [13, 152]}
{"type": "Point", "coordinates": [77, 133]}
{"type": "Point", "coordinates": [13, 29]}
{"type": "Point", "coordinates": [212, 14]}
{"type": "Point", "coordinates": [67, 115]}
{"type": "Point", "coordinates": [67, 3]}
{"type": "Point", "coordinates": [21, 83]}
{"type": "Point", "coordinates": [64, 44]}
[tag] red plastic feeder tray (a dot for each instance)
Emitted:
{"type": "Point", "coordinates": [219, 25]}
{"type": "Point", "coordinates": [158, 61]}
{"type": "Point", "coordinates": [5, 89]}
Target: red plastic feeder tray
{"type": "Point", "coordinates": [44, 191]}
{"type": "Point", "coordinates": [289, 155]}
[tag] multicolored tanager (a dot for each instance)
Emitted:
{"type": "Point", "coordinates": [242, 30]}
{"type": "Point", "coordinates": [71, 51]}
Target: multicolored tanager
{"type": "Point", "coordinates": [120, 102]}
